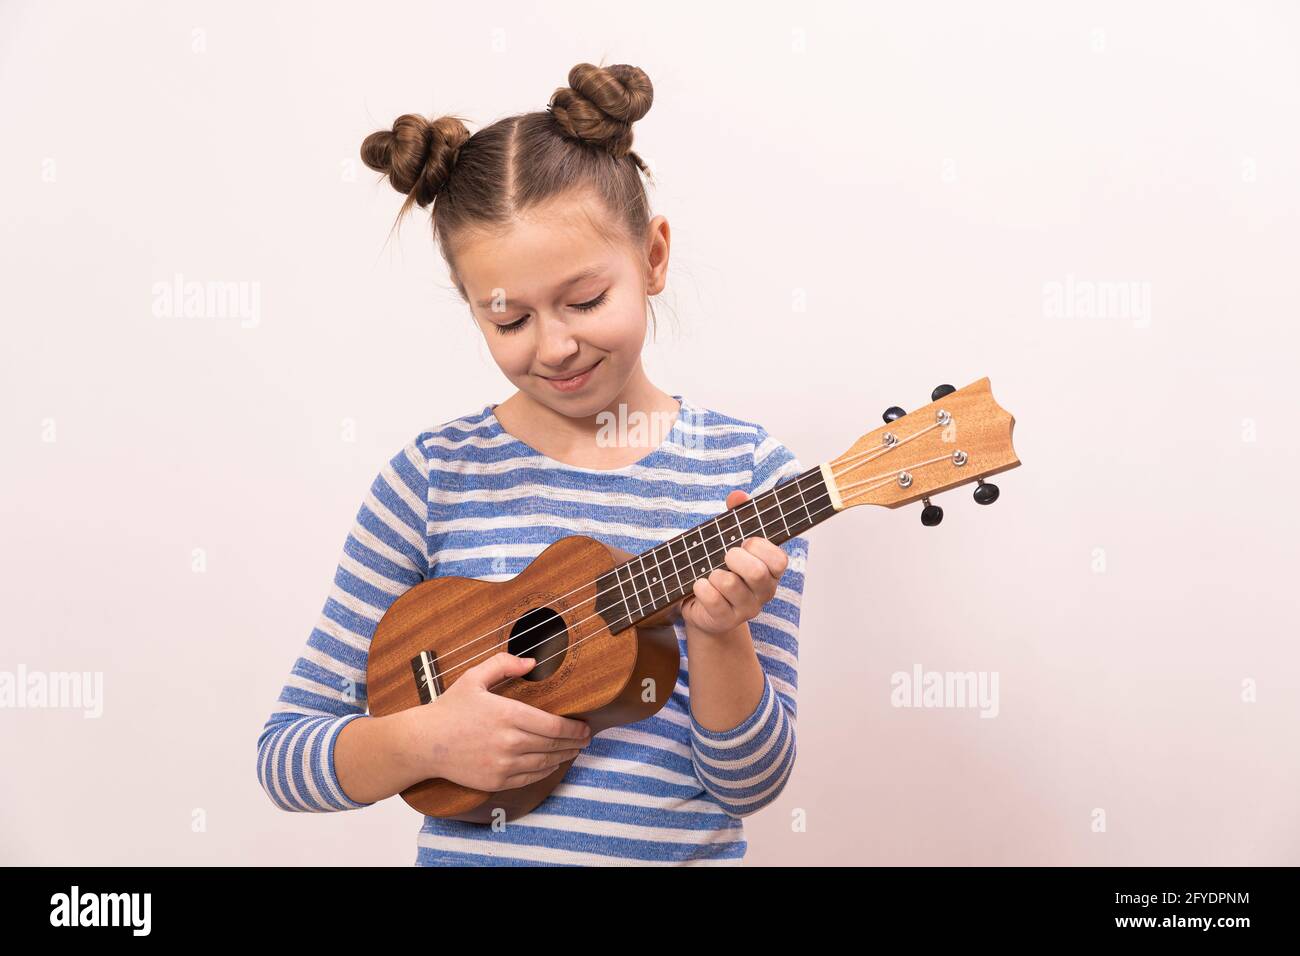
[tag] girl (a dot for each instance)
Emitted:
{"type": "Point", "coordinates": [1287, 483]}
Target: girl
{"type": "Point", "coordinates": [544, 224]}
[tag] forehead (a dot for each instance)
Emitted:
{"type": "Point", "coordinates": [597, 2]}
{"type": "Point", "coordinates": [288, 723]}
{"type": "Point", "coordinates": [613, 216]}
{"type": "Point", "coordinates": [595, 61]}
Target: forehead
{"type": "Point", "coordinates": [538, 255]}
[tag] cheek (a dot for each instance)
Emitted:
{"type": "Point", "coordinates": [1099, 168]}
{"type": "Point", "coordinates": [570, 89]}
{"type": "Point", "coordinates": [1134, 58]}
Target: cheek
{"type": "Point", "coordinates": [620, 329]}
{"type": "Point", "coordinates": [512, 353]}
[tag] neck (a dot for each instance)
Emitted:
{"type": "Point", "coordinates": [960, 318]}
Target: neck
{"type": "Point", "coordinates": [659, 577]}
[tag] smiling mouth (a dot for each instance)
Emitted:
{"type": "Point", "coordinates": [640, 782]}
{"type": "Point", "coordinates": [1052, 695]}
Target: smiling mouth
{"type": "Point", "coordinates": [565, 378]}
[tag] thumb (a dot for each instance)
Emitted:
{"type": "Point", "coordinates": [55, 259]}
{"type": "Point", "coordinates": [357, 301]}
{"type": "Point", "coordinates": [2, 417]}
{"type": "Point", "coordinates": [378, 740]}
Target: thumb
{"type": "Point", "coordinates": [497, 668]}
{"type": "Point", "coordinates": [737, 497]}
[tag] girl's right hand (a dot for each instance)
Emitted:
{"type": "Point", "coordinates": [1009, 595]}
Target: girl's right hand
{"type": "Point", "coordinates": [484, 741]}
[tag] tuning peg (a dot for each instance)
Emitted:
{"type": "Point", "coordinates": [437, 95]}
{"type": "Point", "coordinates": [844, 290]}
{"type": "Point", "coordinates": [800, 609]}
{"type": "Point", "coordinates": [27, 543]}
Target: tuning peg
{"type": "Point", "coordinates": [892, 414]}
{"type": "Point", "coordinates": [940, 391]}
{"type": "Point", "coordinates": [931, 515]}
{"type": "Point", "coordinates": [985, 493]}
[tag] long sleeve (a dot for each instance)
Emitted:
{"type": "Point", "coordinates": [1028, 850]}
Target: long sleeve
{"type": "Point", "coordinates": [385, 554]}
{"type": "Point", "coordinates": [746, 768]}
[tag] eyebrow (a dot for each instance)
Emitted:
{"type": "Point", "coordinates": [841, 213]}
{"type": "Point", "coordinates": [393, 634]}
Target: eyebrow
{"type": "Point", "coordinates": [587, 273]}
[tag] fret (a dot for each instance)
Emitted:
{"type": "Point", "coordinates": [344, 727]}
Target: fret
{"type": "Point", "coordinates": [714, 543]}
{"type": "Point", "coordinates": [656, 587]}
{"type": "Point", "coordinates": [642, 578]}
{"type": "Point", "coordinates": [780, 510]}
{"type": "Point", "coordinates": [736, 535]}
{"type": "Point", "coordinates": [666, 573]}
{"type": "Point", "coordinates": [697, 555]}
{"type": "Point", "coordinates": [631, 587]}
{"type": "Point", "coordinates": [750, 523]}
{"type": "Point", "coordinates": [677, 549]}
{"type": "Point", "coordinates": [785, 495]}
{"type": "Point", "coordinates": [804, 502]}
{"type": "Point", "coordinates": [611, 601]}
{"type": "Point", "coordinates": [754, 506]}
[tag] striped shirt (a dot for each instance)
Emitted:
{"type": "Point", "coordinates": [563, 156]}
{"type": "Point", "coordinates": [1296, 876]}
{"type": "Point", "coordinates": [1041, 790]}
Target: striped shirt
{"type": "Point", "coordinates": [468, 499]}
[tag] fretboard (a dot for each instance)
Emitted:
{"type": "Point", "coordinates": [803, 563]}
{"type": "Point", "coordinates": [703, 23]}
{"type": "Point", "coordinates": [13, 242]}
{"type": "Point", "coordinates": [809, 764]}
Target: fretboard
{"type": "Point", "coordinates": [663, 575]}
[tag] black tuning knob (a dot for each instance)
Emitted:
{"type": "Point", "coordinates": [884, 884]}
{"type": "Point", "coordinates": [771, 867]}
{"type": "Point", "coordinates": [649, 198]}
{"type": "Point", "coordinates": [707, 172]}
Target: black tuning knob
{"type": "Point", "coordinates": [940, 391]}
{"type": "Point", "coordinates": [892, 414]}
{"type": "Point", "coordinates": [931, 515]}
{"type": "Point", "coordinates": [985, 493]}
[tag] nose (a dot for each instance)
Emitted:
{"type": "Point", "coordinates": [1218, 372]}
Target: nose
{"type": "Point", "coordinates": [556, 344]}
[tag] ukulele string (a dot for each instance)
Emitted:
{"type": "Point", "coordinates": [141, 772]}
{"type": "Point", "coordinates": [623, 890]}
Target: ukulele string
{"type": "Point", "coordinates": [638, 591]}
{"type": "Point", "coordinates": [637, 594]}
{"type": "Point", "coordinates": [569, 647]}
{"type": "Point", "coordinates": [875, 453]}
{"type": "Point", "coordinates": [598, 631]}
{"type": "Point", "coordinates": [869, 456]}
{"type": "Point", "coordinates": [892, 476]}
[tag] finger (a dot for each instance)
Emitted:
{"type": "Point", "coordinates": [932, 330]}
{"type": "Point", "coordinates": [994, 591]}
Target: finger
{"type": "Point", "coordinates": [745, 562]}
{"type": "Point", "coordinates": [710, 598]}
{"type": "Point", "coordinates": [549, 761]}
{"type": "Point", "coordinates": [539, 744]}
{"type": "Point", "coordinates": [524, 779]}
{"type": "Point", "coordinates": [734, 589]}
{"type": "Point", "coordinates": [536, 770]}
{"type": "Point", "coordinates": [537, 721]}
{"type": "Point", "coordinates": [497, 668]}
{"type": "Point", "coordinates": [775, 561]}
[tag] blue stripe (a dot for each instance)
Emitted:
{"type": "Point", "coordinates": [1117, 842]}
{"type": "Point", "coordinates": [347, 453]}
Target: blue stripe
{"type": "Point", "coordinates": [533, 487]}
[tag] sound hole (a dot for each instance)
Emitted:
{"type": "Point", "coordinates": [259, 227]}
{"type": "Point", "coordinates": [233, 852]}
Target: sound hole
{"type": "Point", "coordinates": [541, 634]}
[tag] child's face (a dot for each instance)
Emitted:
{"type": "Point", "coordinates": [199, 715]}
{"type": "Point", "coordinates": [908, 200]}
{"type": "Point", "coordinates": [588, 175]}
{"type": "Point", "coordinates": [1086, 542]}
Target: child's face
{"type": "Point", "coordinates": [519, 282]}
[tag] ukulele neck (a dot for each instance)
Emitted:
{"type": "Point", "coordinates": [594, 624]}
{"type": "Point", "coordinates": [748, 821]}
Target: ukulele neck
{"type": "Point", "coordinates": [661, 576]}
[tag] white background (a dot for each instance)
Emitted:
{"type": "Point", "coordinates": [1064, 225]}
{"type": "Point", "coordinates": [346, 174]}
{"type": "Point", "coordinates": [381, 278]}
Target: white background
{"type": "Point", "coordinates": [866, 200]}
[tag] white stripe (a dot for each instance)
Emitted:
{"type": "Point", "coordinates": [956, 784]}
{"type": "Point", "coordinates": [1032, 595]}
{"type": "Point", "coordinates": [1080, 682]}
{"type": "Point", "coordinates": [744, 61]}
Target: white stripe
{"type": "Point", "coordinates": [547, 854]}
{"type": "Point", "coordinates": [629, 831]}
{"type": "Point", "coordinates": [641, 738]}
{"type": "Point", "coordinates": [338, 799]}
{"type": "Point", "coordinates": [634, 768]}
{"type": "Point", "coordinates": [632, 798]}
{"type": "Point", "coordinates": [578, 524]}
{"type": "Point", "coordinates": [742, 740]}
{"type": "Point", "coordinates": [688, 453]}
{"type": "Point", "coordinates": [776, 772]}
{"type": "Point", "coordinates": [740, 763]}
{"type": "Point", "coordinates": [526, 488]}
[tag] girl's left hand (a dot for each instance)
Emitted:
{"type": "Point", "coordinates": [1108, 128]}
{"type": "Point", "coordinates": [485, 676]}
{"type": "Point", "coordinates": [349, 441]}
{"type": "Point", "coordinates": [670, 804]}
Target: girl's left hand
{"type": "Point", "coordinates": [730, 596]}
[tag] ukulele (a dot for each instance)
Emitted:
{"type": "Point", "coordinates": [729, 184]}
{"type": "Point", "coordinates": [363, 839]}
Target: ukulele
{"type": "Point", "coordinates": [599, 620]}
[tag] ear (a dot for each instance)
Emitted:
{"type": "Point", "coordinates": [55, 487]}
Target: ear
{"type": "Point", "coordinates": [658, 242]}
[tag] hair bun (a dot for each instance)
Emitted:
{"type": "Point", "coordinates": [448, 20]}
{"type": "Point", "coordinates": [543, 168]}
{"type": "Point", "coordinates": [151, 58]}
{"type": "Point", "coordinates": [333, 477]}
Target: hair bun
{"type": "Point", "coordinates": [600, 104]}
{"type": "Point", "coordinates": [416, 155]}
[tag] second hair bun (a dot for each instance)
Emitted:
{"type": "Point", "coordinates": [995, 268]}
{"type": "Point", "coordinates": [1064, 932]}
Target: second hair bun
{"type": "Point", "coordinates": [601, 103]}
{"type": "Point", "coordinates": [417, 155]}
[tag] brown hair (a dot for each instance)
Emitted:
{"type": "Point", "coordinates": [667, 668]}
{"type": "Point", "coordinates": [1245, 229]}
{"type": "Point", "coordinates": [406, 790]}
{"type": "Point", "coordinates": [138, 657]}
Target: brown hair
{"type": "Point", "coordinates": [480, 182]}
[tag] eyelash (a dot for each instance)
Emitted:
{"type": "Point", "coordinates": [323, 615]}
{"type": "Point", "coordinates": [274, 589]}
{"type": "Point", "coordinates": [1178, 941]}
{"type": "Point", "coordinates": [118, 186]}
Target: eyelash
{"type": "Point", "coordinates": [581, 307]}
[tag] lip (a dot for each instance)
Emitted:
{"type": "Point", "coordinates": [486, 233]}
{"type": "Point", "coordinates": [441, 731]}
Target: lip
{"type": "Point", "coordinates": [573, 382]}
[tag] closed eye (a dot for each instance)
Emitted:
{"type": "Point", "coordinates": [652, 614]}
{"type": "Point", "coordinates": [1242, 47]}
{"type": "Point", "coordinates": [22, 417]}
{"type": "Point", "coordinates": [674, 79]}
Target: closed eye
{"type": "Point", "coordinates": [518, 324]}
{"type": "Point", "coordinates": [594, 303]}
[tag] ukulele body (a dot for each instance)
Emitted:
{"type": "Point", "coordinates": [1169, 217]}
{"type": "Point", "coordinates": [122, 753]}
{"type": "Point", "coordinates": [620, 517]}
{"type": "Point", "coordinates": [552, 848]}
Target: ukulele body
{"type": "Point", "coordinates": [444, 626]}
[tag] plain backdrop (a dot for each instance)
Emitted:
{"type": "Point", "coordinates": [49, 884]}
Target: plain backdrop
{"type": "Point", "coordinates": [866, 200]}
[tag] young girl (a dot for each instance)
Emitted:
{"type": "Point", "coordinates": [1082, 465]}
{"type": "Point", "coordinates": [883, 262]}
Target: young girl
{"type": "Point", "coordinates": [544, 224]}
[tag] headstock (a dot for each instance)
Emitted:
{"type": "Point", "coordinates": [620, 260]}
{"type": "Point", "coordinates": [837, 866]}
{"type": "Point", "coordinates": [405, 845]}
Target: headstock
{"type": "Point", "coordinates": [962, 436]}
